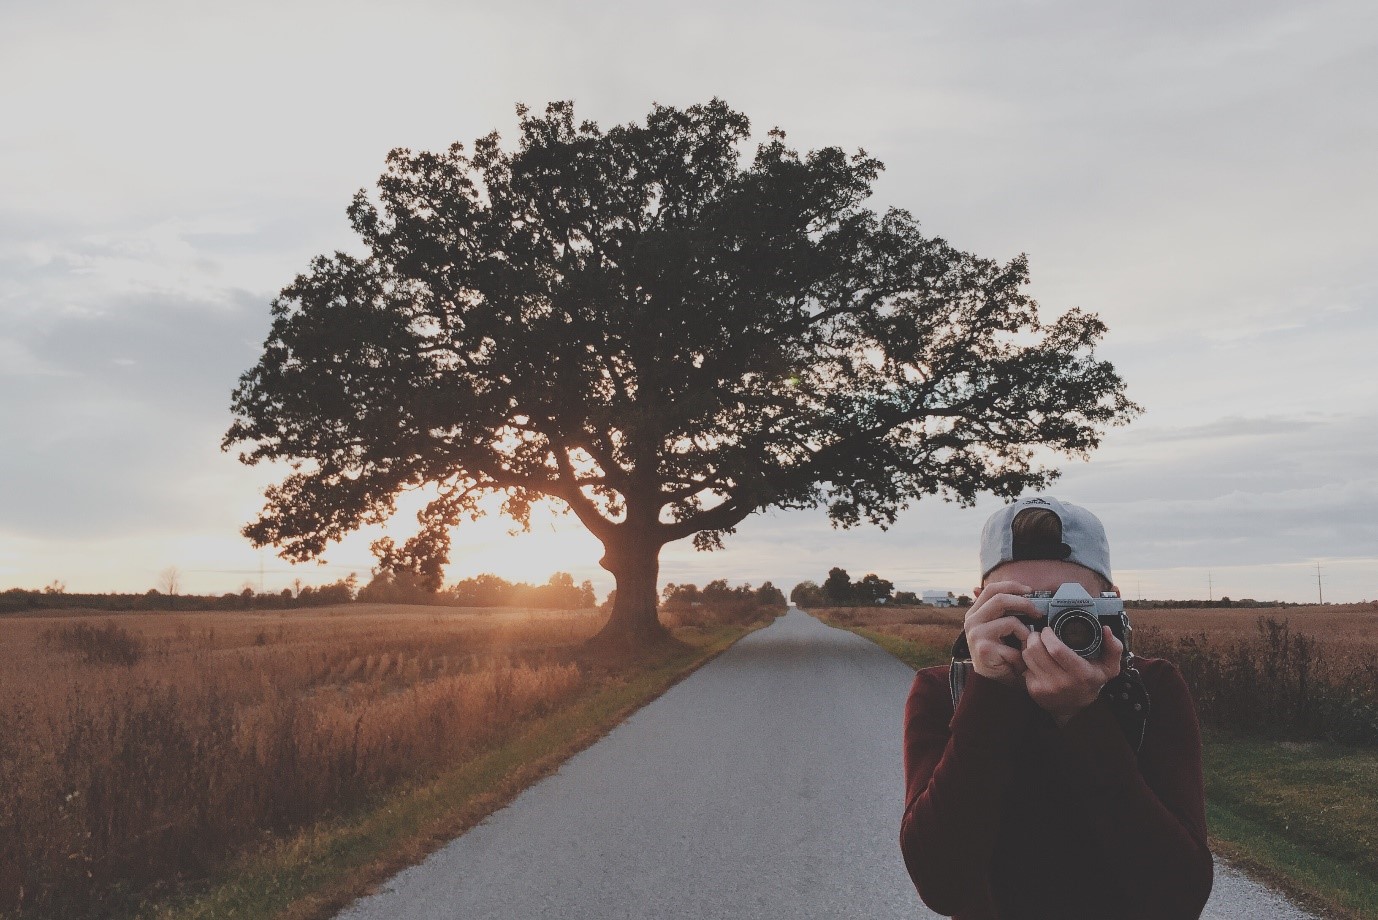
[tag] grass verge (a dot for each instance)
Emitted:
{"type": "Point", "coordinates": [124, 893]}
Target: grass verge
{"type": "Point", "coordinates": [318, 871]}
{"type": "Point", "coordinates": [1303, 816]}
{"type": "Point", "coordinates": [915, 654]}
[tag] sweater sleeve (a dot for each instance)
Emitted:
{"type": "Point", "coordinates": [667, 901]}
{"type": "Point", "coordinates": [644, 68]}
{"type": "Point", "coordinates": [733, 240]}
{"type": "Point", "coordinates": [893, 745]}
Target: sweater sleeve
{"type": "Point", "coordinates": [1147, 812]}
{"type": "Point", "coordinates": [955, 776]}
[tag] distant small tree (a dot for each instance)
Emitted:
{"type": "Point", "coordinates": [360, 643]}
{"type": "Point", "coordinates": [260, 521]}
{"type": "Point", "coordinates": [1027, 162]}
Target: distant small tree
{"type": "Point", "coordinates": [838, 588]}
{"type": "Point", "coordinates": [339, 592]}
{"type": "Point", "coordinates": [170, 580]}
{"type": "Point", "coordinates": [716, 592]}
{"type": "Point", "coordinates": [389, 587]}
{"type": "Point", "coordinates": [482, 590]}
{"type": "Point", "coordinates": [807, 594]}
{"type": "Point", "coordinates": [770, 596]}
{"type": "Point", "coordinates": [680, 598]}
{"type": "Point", "coordinates": [559, 593]}
{"type": "Point", "coordinates": [873, 589]}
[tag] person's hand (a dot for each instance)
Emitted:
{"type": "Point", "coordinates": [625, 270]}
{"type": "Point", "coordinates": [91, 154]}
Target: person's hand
{"type": "Point", "coordinates": [1061, 681]}
{"type": "Point", "coordinates": [989, 621]}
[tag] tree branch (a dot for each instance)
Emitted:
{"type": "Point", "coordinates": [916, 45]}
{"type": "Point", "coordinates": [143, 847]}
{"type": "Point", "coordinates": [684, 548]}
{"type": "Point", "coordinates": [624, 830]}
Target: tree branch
{"type": "Point", "coordinates": [721, 517]}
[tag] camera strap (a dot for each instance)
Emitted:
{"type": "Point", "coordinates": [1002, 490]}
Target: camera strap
{"type": "Point", "coordinates": [1126, 692]}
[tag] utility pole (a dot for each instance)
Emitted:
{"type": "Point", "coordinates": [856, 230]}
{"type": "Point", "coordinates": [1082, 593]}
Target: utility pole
{"type": "Point", "coordinates": [1320, 594]}
{"type": "Point", "coordinates": [1210, 587]}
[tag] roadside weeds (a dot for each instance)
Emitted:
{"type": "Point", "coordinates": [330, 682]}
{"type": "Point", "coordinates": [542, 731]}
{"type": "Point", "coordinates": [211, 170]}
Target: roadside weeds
{"type": "Point", "coordinates": [318, 871]}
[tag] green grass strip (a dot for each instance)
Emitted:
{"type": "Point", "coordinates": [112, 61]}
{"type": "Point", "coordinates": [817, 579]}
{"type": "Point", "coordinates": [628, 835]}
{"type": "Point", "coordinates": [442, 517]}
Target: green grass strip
{"type": "Point", "coordinates": [325, 867]}
{"type": "Point", "coordinates": [1304, 815]}
{"type": "Point", "coordinates": [1320, 883]}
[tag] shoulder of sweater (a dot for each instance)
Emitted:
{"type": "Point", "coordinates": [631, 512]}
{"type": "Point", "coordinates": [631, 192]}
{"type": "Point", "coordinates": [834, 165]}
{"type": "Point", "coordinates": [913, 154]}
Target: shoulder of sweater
{"type": "Point", "coordinates": [932, 680]}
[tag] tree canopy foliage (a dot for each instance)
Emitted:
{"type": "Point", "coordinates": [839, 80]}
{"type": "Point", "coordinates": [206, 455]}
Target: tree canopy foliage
{"type": "Point", "coordinates": [838, 589]}
{"type": "Point", "coordinates": [659, 334]}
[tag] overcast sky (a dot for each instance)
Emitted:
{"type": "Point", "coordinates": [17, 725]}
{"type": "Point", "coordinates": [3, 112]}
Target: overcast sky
{"type": "Point", "coordinates": [1199, 174]}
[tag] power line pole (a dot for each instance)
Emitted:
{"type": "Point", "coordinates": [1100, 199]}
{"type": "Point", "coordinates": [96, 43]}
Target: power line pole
{"type": "Point", "coordinates": [1210, 587]}
{"type": "Point", "coordinates": [1320, 594]}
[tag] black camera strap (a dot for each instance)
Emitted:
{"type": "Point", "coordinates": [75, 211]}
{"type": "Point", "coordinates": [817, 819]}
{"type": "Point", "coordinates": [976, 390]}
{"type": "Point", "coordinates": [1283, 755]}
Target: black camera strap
{"type": "Point", "coordinates": [1126, 692]}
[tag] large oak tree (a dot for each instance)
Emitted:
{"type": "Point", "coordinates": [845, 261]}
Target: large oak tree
{"type": "Point", "coordinates": [660, 334]}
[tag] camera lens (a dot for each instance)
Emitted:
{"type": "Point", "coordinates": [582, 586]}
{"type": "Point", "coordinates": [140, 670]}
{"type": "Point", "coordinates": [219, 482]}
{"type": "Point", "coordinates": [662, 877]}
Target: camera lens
{"type": "Point", "coordinates": [1080, 632]}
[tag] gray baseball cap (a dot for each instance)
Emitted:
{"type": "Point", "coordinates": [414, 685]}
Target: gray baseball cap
{"type": "Point", "coordinates": [1083, 536]}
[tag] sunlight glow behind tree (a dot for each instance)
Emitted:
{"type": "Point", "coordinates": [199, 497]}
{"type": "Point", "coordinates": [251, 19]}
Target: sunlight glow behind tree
{"type": "Point", "coordinates": [658, 336]}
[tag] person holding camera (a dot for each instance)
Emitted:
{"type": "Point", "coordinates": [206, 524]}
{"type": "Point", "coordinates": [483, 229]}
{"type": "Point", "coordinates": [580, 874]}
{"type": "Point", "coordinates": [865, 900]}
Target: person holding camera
{"type": "Point", "coordinates": [1049, 773]}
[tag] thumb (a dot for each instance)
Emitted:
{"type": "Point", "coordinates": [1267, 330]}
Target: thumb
{"type": "Point", "coordinates": [1114, 651]}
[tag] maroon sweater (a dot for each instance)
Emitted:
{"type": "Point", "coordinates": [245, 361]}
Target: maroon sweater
{"type": "Point", "coordinates": [1009, 817]}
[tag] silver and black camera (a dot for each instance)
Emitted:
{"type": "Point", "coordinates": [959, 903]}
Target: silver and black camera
{"type": "Point", "coordinates": [1076, 618]}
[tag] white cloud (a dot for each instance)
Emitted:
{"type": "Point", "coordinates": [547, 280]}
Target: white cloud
{"type": "Point", "coordinates": [16, 360]}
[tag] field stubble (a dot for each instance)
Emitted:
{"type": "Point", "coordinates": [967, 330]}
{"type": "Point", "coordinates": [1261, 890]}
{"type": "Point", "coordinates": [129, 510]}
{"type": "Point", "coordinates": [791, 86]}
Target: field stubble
{"type": "Point", "coordinates": [143, 748]}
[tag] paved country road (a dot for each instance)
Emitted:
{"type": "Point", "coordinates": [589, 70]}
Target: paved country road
{"type": "Point", "coordinates": [767, 784]}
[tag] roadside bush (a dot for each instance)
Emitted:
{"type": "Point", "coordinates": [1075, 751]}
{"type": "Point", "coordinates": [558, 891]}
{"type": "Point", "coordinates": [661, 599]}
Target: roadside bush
{"type": "Point", "coordinates": [1281, 684]}
{"type": "Point", "coordinates": [717, 604]}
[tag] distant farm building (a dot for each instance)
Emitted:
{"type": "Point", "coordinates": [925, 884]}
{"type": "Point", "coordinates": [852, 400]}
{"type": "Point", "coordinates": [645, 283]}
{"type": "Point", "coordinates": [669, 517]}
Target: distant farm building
{"type": "Point", "coordinates": [939, 599]}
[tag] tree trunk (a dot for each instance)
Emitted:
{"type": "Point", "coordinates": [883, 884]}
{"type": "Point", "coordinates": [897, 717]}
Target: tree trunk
{"type": "Point", "coordinates": [634, 622]}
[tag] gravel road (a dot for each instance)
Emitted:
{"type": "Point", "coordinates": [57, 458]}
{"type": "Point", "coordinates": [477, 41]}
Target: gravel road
{"type": "Point", "coordinates": [766, 785]}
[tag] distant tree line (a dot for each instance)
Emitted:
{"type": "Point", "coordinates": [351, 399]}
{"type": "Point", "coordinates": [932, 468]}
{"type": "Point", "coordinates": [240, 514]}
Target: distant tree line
{"type": "Point", "coordinates": [56, 597]}
{"type": "Point", "coordinates": [1244, 602]}
{"type": "Point", "coordinates": [838, 590]}
{"type": "Point", "coordinates": [559, 593]}
{"type": "Point", "coordinates": [402, 587]}
{"type": "Point", "coordinates": [719, 598]}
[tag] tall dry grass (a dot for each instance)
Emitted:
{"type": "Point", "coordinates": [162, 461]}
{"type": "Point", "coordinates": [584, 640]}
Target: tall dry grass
{"type": "Point", "coordinates": [143, 749]}
{"type": "Point", "coordinates": [1308, 673]}
{"type": "Point", "coordinates": [1299, 673]}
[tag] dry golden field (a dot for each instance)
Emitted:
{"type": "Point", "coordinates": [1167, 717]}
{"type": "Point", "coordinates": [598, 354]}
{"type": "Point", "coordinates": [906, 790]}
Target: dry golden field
{"type": "Point", "coordinates": [137, 747]}
{"type": "Point", "coordinates": [1338, 628]}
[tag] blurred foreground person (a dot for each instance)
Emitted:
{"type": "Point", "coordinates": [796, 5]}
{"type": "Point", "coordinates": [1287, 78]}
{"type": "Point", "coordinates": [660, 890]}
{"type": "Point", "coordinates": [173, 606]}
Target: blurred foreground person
{"type": "Point", "coordinates": [1049, 773]}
